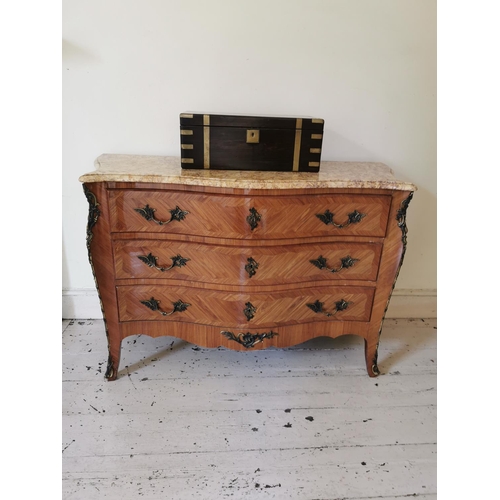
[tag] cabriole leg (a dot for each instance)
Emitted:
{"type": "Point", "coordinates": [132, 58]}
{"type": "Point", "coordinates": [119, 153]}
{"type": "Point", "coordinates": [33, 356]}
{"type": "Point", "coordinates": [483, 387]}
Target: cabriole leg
{"type": "Point", "coordinates": [371, 356]}
{"type": "Point", "coordinates": [114, 348]}
{"type": "Point", "coordinates": [100, 251]}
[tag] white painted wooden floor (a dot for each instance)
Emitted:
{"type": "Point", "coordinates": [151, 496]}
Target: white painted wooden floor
{"type": "Point", "coordinates": [184, 422]}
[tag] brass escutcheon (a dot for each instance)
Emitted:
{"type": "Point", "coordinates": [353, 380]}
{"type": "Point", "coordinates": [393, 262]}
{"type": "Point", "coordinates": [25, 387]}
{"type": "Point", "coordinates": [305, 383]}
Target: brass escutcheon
{"type": "Point", "coordinates": [253, 136]}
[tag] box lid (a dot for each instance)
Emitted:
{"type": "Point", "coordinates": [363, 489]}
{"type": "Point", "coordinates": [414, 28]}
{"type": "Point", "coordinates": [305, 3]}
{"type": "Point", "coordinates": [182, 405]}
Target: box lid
{"type": "Point", "coordinates": [251, 121]}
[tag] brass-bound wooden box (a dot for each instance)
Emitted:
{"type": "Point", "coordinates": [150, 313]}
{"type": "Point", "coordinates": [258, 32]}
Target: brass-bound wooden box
{"type": "Point", "coordinates": [234, 142]}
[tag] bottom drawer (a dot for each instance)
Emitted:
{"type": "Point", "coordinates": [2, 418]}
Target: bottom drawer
{"type": "Point", "coordinates": [246, 310]}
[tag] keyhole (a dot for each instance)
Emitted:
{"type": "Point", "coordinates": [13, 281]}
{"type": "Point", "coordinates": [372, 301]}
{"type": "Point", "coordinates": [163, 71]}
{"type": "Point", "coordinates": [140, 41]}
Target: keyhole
{"type": "Point", "coordinates": [253, 136]}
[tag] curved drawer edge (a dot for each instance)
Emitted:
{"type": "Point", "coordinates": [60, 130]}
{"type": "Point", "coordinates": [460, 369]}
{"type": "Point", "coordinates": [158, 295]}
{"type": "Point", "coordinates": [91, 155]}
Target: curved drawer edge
{"type": "Point", "coordinates": [211, 336]}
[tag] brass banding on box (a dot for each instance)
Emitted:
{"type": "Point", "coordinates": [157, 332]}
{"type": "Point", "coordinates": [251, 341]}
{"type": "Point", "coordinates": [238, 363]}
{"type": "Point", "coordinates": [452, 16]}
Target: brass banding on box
{"type": "Point", "coordinates": [186, 115]}
{"type": "Point", "coordinates": [316, 136]}
{"type": "Point", "coordinates": [187, 160]}
{"type": "Point", "coordinates": [206, 141]}
{"type": "Point", "coordinates": [187, 146]}
{"type": "Point", "coordinates": [186, 132]}
{"type": "Point", "coordinates": [296, 146]}
{"type": "Point", "coordinates": [296, 150]}
{"type": "Point", "coordinates": [313, 163]}
{"type": "Point", "coordinates": [315, 150]}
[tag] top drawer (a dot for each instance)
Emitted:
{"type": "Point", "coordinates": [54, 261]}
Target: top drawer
{"type": "Point", "coordinates": [231, 216]}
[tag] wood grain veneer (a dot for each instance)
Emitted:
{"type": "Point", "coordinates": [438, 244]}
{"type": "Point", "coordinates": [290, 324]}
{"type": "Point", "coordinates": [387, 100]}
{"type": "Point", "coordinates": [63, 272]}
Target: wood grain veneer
{"type": "Point", "coordinates": [271, 308]}
{"type": "Point", "coordinates": [226, 216]}
{"type": "Point", "coordinates": [267, 265]}
{"type": "Point", "coordinates": [284, 301]}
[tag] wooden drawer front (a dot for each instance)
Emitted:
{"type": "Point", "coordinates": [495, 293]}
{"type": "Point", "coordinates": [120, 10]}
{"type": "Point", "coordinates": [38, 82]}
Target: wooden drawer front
{"type": "Point", "coordinates": [261, 265]}
{"type": "Point", "coordinates": [227, 216]}
{"type": "Point", "coordinates": [245, 310]}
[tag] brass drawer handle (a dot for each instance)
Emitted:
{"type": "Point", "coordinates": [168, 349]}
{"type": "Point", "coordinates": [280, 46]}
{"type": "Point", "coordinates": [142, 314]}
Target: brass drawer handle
{"type": "Point", "coordinates": [254, 218]}
{"type": "Point", "coordinates": [353, 218]}
{"type": "Point", "coordinates": [154, 305]}
{"type": "Point", "coordinates": [150, 261]}
{"type": "Point", "coordinates": [175, 214]}
{"type": "Point", "coordinates": [345, 263]}
{"type": "Point", "coordinates": [251, 267]}
{"type": "Point", "coordinates": [249, 339]}
{"type": "Point", "coordinates": [317, 307]}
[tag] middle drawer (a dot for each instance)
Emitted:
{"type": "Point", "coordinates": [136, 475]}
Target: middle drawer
{"type": "Point", "coordinates": [233, 265]}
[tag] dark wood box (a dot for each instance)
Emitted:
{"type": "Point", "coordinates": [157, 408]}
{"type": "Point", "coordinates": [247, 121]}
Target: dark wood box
{"type": "Point", "coordinates": [234, 142]}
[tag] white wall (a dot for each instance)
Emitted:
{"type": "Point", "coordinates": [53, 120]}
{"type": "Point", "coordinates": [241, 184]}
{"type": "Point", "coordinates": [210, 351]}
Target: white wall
{"type": "Point", "coordinates": [367, 67]}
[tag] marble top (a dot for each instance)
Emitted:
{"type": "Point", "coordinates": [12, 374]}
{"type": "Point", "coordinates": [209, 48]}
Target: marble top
{"type": "Point", "coordinates": [167, 169]}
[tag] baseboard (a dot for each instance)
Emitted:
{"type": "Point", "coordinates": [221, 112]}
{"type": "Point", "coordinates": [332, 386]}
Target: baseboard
{"type": "Point", "coordinates": [84, 304]}
{"type": "Point", "coordinates": [413, 304]}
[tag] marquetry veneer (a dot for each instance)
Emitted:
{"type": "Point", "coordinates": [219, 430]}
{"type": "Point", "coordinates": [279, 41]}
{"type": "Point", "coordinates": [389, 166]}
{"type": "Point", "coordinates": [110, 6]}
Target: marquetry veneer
{"type": "Point", "coordinates": [244, 260]}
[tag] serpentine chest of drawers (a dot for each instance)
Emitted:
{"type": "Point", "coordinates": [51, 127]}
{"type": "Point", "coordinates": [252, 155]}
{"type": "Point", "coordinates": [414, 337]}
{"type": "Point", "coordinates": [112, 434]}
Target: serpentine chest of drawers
{"type": "Point", "coordinates": [244, 260]}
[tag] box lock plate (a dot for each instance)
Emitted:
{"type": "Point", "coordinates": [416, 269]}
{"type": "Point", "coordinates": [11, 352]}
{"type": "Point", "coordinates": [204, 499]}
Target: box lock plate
{"type": "Point", "coordinates": [253, 136]}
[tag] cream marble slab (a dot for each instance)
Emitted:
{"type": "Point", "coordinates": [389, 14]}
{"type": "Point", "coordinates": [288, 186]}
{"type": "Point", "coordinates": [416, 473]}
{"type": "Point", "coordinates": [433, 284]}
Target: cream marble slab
{"type": "Point", "coordinates": [167, 169]}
